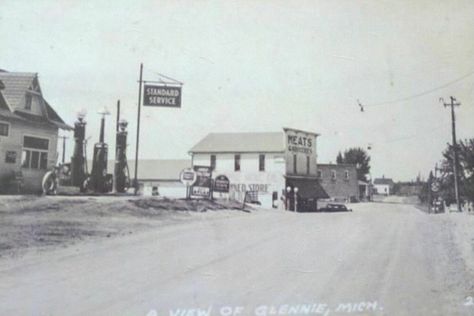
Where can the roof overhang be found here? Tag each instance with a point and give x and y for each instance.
(300, 131)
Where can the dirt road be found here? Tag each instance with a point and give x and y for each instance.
(381, 259)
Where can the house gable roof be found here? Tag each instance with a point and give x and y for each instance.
(16, 85)
(383, 181)
(240, 143)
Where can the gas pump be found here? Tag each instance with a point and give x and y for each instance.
(121, 172)
(78, 160)
(99, 181)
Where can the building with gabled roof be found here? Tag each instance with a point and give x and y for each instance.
(28, 132)
(383, 186)
(273, 142)
(279, 167)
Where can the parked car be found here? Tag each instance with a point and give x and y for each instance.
(335, 207)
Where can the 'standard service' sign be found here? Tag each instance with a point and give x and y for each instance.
(161, 95)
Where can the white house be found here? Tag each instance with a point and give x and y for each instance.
(383, 186)
(28, 133)
(271, 164)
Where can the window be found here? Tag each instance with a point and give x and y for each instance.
(261, 162)
(213, 162)
(35, 153)
(237, 163)
(346, 175)
(4, 129)
(35, 142)
(28, 101)
(44, 160)
(320, 174)
(10, 157)
(307, 164)
(25, 158)
(294, 164)
(333, 174)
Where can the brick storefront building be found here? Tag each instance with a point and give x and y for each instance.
(339, 181)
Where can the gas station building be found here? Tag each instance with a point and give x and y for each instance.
(28, 133)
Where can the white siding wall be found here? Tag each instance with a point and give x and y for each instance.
(249, 177)
(382, 188)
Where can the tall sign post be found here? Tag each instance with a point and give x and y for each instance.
(135, 181)
(155, 93)
(188, 177)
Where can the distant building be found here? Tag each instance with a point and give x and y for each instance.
(273, 164)
(161, 175)
(383, 186)
(340, 181)
(408, 188)
(28, 132)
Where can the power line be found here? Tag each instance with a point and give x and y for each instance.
(417, 95)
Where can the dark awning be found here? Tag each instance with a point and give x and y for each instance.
(308, 188)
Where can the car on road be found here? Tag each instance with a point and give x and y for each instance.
(335, 207)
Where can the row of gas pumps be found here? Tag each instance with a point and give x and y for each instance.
(76, 173)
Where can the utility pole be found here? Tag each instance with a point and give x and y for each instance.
(452, 104)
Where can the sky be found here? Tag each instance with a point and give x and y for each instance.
(257, 66)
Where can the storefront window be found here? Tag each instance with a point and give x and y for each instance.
(44, 160)
(35, 142)
(25, 158)
(261, 162)
(34, 159)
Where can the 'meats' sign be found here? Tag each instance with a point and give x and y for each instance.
(300, 144)
(161, 95)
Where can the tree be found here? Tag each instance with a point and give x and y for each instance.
(339, 158)
(358, 157)
(465, 171)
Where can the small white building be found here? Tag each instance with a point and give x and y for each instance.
(267, 163)
(161, 175)
(383, 186)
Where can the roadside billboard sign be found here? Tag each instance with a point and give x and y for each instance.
(202, 185)
(162, 95)
(221, 184)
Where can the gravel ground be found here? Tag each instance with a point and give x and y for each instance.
(32, 223)
(380, 259)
